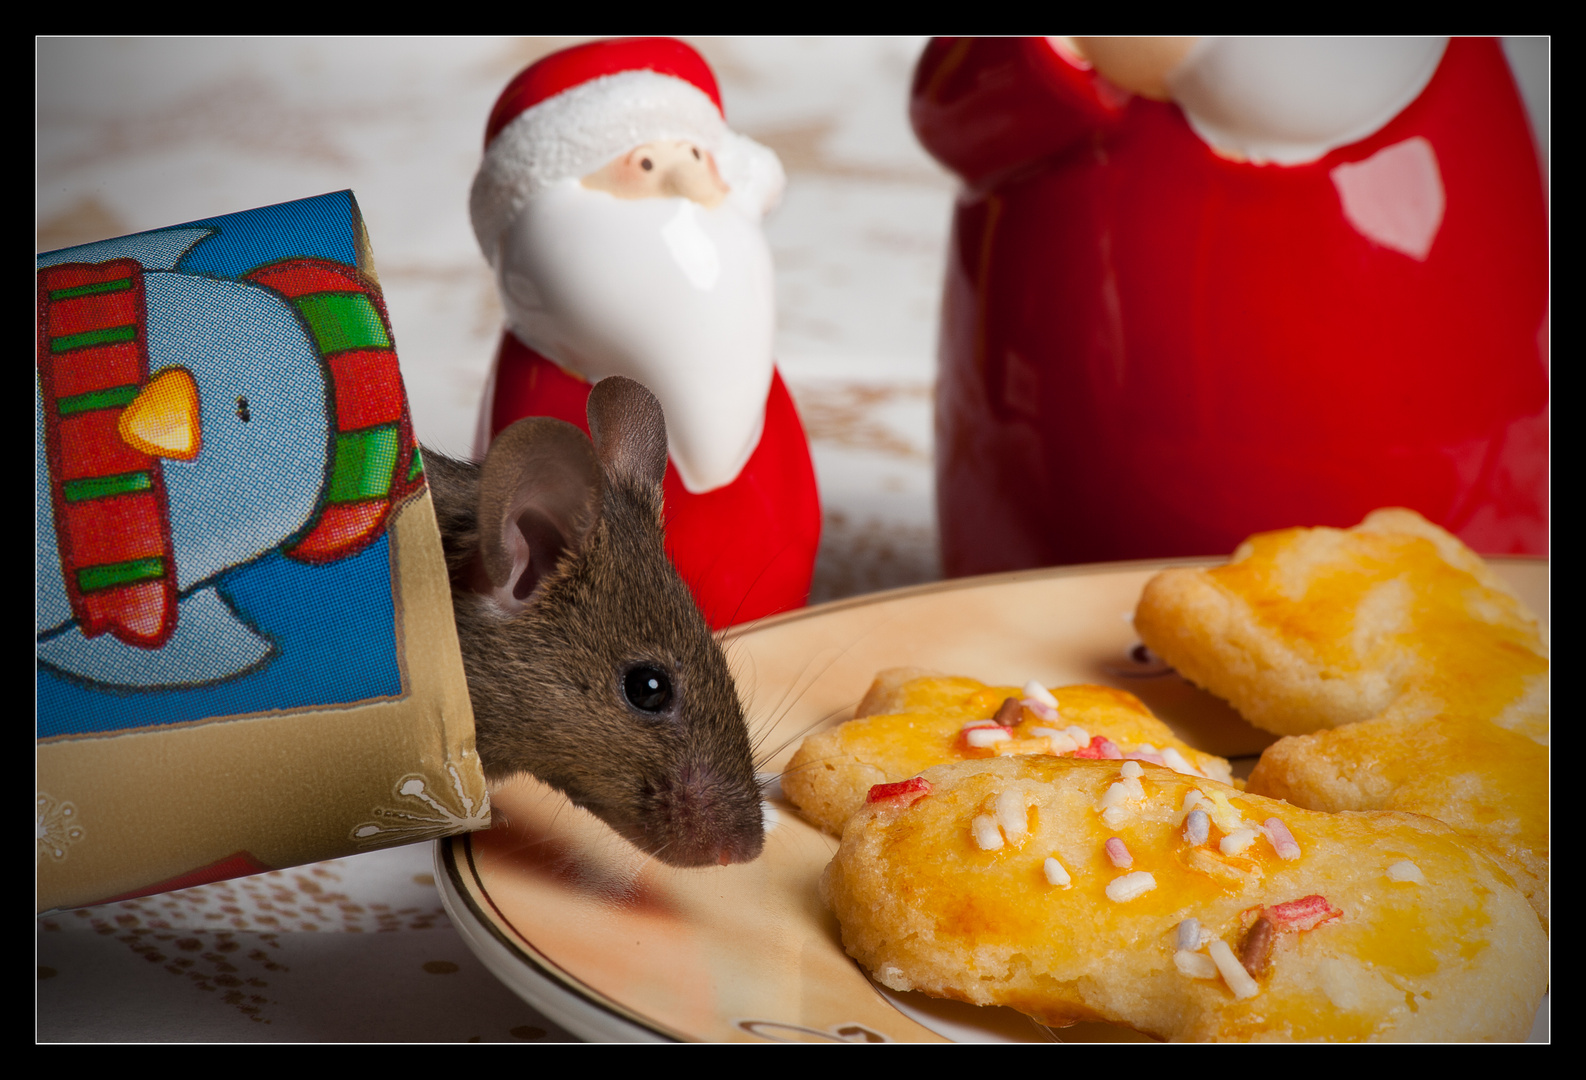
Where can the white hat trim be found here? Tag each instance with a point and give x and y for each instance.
(579, 130)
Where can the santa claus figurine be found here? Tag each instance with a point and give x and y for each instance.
(1200, 288)
(622, 219)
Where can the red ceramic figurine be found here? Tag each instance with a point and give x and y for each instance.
(622, 219)
(1200, 288)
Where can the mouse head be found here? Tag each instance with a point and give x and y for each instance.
(589, 664)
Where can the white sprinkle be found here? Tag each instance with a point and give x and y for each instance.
(1118, 853)
(1112, 801)
(979, 723)
(1236, 841)
(1011, 814)
(1197, 826)
(1145, 748)
(1078, 734)
(1178, 763)
(1036, 692)
(1189, 935)
(986, 736)
(987, 835)
(1405, 870)
(1283, 841)
(1131, 769)
(1223, 813)
(1233, 972)
(1055, 874)
(1192, 799)
(1123, 889)
(1061, 743)
(1195, 965)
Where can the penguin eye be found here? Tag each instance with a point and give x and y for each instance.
(242, 410)
(646, 164)
(648, 689)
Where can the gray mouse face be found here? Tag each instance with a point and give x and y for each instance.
(610, 687)
(589, 666)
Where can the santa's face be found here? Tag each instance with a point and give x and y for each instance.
(625, 273)
(662, 169)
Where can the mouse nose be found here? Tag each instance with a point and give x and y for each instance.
(164, 419)
(700, 820)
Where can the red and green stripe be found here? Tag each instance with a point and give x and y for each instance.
(375, 460)
(109, 499)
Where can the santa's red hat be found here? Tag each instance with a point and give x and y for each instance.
(570, 113)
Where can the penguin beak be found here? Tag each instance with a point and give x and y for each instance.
(163, 420)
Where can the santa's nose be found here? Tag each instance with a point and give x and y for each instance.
(163, 420)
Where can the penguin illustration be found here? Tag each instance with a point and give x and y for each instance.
(185, 426)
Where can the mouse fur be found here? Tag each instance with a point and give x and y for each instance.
(561, 588)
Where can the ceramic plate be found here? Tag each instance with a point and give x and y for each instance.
(613, 945)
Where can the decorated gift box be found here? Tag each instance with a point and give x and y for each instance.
(245, 651)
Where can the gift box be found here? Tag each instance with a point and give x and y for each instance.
(245, 650)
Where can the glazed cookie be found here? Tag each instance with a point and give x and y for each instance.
(911, 720)
(1306, 629)
(1409, 676)
(1184, 908)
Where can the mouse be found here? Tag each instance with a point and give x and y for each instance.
(589, 665)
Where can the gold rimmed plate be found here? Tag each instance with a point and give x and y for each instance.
(617, 946)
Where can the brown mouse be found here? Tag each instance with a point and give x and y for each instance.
(589, 665)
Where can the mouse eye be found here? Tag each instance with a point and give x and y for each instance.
(648, 688)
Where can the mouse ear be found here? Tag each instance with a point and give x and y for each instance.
(629, 430)
(539, 493)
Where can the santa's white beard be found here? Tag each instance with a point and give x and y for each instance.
(664, 291)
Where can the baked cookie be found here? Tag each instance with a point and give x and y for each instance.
(1306, 629)
(1184, 908)
(1409, 676)
(910, 720)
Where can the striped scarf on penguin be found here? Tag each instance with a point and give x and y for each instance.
(109, 421)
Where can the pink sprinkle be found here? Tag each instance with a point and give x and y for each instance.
(1041, 709)
(1155, 759)
(1283, 841)
(1100, 747)
(910, 790)
(1306, 913)
(1118, 854)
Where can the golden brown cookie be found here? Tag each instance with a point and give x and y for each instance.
(910, 720)
(1306, 629)
(1407, 675)
(1184, 908)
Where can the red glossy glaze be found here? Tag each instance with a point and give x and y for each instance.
(747, 549)
(1149, 350)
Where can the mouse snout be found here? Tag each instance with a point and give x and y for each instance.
(704, 819)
